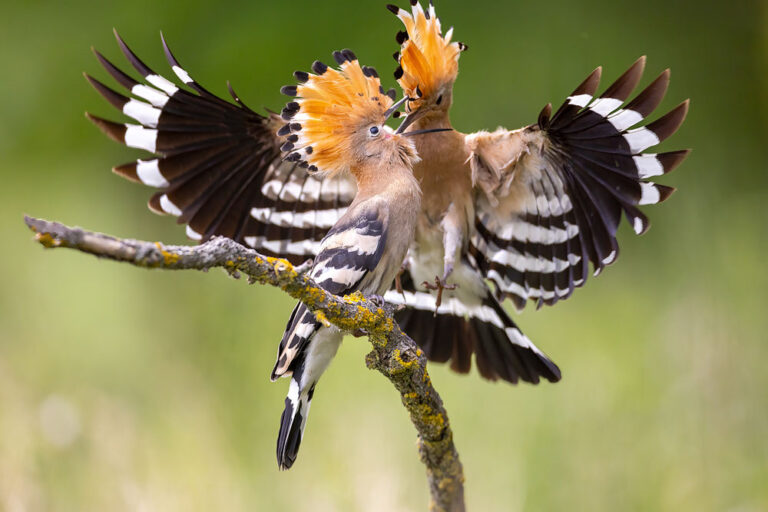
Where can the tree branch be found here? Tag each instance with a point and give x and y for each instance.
(394, 354)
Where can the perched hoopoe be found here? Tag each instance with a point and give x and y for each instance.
(337, 125)
(219, 166)
(526, 209)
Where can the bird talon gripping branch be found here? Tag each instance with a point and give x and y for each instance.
(533, 211)
(527, 210)
(336, 125)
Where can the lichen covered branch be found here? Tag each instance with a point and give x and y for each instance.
(394, 354)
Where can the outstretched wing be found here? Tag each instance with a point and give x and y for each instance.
(219, 166)
(348, 258)
(550, 196)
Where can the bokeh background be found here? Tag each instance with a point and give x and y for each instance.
(125, 389)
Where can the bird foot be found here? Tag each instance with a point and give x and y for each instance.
(377, 300)
(440, 285)
(398, 282)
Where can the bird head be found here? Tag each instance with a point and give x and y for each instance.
(428, 61)
(337, 121)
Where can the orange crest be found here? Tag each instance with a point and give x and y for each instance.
(428, 60)
(331, 105)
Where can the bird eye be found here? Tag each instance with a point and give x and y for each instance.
(440, 99)
(374, 131)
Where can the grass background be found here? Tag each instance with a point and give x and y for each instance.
(122, 389)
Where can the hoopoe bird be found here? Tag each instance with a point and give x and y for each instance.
(218, 165)
(337, 126)
(526, 209)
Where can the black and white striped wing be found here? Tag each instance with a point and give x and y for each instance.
(346, 263)
(470, 320)
(550, 196)
(218, 165)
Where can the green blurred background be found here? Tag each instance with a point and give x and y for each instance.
(125, 389)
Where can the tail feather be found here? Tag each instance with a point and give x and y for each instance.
(311, 360)
(501, 350)
(292, 424)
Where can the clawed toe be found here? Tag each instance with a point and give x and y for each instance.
(378, 300)
(440, 285)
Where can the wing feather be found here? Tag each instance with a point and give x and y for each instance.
(550, 196)
(216, 162)
(346, 261)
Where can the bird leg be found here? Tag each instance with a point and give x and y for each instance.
(452, 239)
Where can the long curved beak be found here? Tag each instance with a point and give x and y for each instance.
(421, 132)
(413, 116)
(394, 108)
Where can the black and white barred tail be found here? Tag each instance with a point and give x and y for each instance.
(458, 330)
(219, 166)
(291, 361)
(592, 167)
(292, 423)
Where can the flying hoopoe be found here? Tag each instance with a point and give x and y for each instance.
(526, 209)
(218, 165)
(337, 125)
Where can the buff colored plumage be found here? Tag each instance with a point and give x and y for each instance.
(527, 209)
(428, 60)
(336, 126)
(333, 104)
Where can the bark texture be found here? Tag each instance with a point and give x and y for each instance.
(393, 353)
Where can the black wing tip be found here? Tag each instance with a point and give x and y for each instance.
(122, 78)
(590, 84)
(127, 171)
(114, 98)
(544, 116)
(664, 192)
(111, 129)
(671, 121)
(168, 53)
(120, 41)
(639, 64)
(393, 9)
(135, 61)
(672, 159)
(623, 86)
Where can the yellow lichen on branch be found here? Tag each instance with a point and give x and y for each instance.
(168, 257)
(393, 353)
(47, 241)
